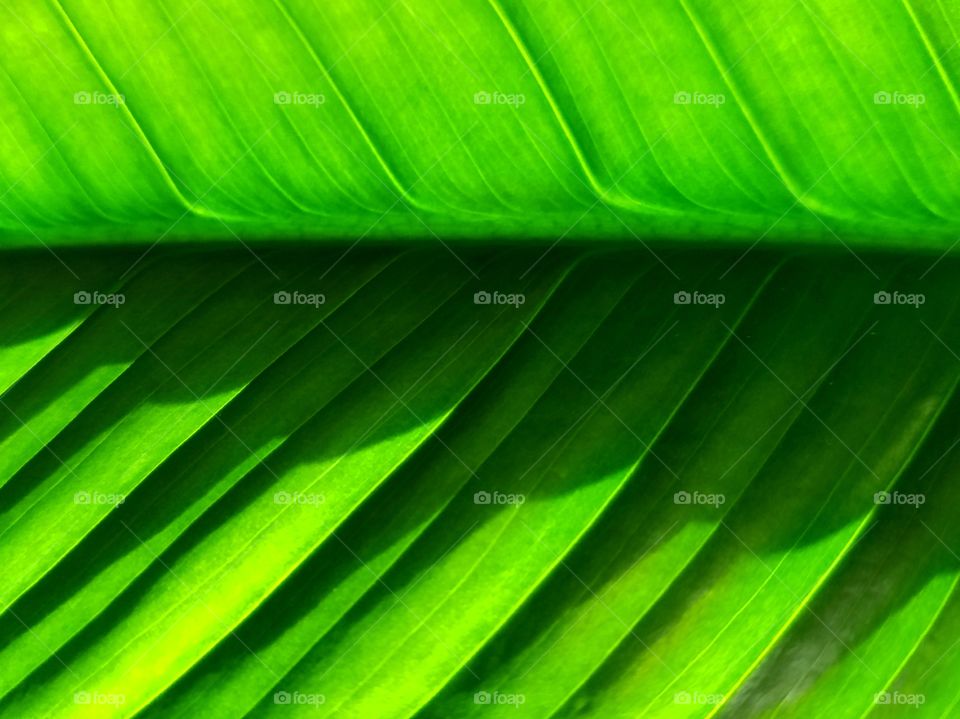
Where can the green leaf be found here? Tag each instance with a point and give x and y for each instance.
(646, 408)
(220, 119)
(400, 500)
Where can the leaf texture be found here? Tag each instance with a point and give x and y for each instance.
(422, 484)
(469, 118)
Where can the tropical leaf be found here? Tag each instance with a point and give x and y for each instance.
(685, 475)
(392, 497)
(474, 117)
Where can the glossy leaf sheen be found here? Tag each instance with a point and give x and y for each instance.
(575, 118)
(387, 585)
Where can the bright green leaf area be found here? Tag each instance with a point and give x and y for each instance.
(705, 470)
(391, 498)
(830, 120)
